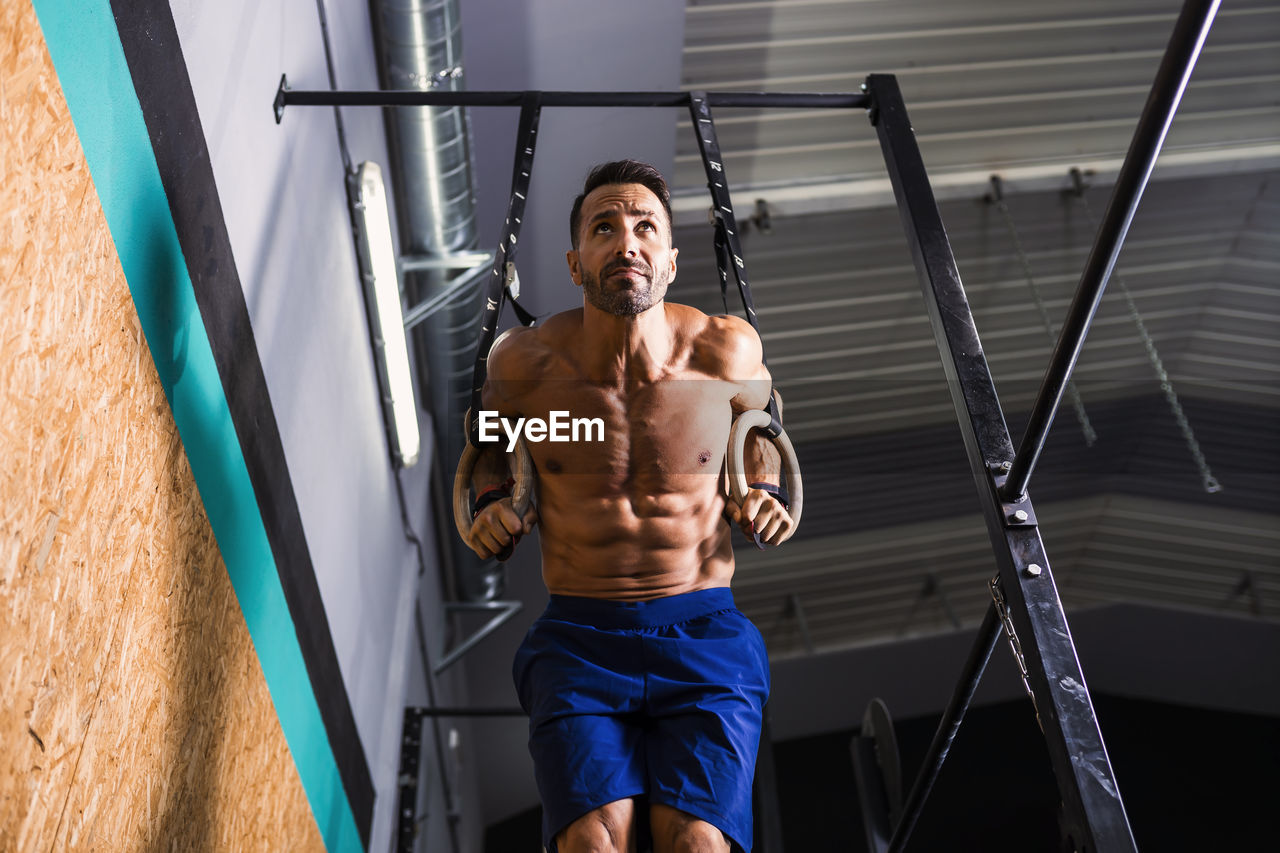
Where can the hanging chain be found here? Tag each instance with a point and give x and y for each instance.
(1210, 482)
(997, 196)
(1002, 609)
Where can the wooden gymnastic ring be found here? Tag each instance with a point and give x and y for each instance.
(521, 494)
(743, 424)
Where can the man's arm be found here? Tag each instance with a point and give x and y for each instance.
(761, 511)
(496, 523)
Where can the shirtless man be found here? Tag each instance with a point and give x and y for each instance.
(641, 679)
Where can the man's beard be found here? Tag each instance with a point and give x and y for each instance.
(626, 302)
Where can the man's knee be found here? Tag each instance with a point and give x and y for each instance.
(675, 831)
(608, 829)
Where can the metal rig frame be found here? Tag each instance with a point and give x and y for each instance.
(1025, 602)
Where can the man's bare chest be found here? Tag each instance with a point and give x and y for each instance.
(652, 430)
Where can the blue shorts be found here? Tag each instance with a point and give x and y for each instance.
(659, 699)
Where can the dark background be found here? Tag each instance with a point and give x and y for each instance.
(1191, 779)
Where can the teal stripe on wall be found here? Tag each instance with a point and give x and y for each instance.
(86, 51)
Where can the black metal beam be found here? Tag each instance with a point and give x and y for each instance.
(983, 645)
(1166, 92)
(1096, 818)
(415, 98)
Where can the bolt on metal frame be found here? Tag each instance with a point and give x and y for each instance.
(1026, 602)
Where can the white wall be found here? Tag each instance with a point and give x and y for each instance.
(281, 188)
(284, 203)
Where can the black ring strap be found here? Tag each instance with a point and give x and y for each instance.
(498, 290)
(728, 247)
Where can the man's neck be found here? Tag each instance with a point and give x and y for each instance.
(635, 347)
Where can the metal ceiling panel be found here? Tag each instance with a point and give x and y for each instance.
(988, 85)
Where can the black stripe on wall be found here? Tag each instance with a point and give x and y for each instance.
(159, 72)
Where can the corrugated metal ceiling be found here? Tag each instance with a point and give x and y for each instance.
(989, 85)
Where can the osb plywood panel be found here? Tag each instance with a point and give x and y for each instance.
(133, 712)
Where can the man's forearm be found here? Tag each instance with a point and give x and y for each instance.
(491, 468)
(761, 460)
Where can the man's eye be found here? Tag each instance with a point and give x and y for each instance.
(603, 227)
(645, 226)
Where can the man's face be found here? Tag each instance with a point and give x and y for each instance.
(624, 260)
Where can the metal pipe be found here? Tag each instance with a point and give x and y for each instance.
(408, 805)
(456, 289)
(456, 261)
(418, 46)
(1166, 92)
(320, 98)
(333, 85)
(505, 610)
(988, 635)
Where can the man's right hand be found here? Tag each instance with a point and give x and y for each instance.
(497, 526)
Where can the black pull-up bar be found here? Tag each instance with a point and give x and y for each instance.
(1166, 92)
(416, 98)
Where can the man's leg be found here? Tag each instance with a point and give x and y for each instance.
(707, 682)
(675, 831)
(587, 750)
(608, 829)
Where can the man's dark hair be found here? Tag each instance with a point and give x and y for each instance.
(620, 172)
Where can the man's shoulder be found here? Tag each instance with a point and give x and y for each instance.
(524, 349)
(722, 344)
(722, 327)
(558, 327)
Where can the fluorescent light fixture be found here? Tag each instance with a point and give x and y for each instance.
(382, 302)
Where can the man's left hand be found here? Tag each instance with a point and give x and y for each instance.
(761, 513)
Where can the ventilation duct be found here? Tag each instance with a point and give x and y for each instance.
(419, 46)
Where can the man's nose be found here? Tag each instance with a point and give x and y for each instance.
(626, 246)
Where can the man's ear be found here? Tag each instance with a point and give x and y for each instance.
(674, 252)
(575, 268)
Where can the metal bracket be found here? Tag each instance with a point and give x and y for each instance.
(1247, 584)
(277, 106)
(1019, 513)
(796, 609)
(930, 587)
(427, 307)
(506, 609)
(450, 261)
(410, 759)
(512, 280)
(873, 109)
